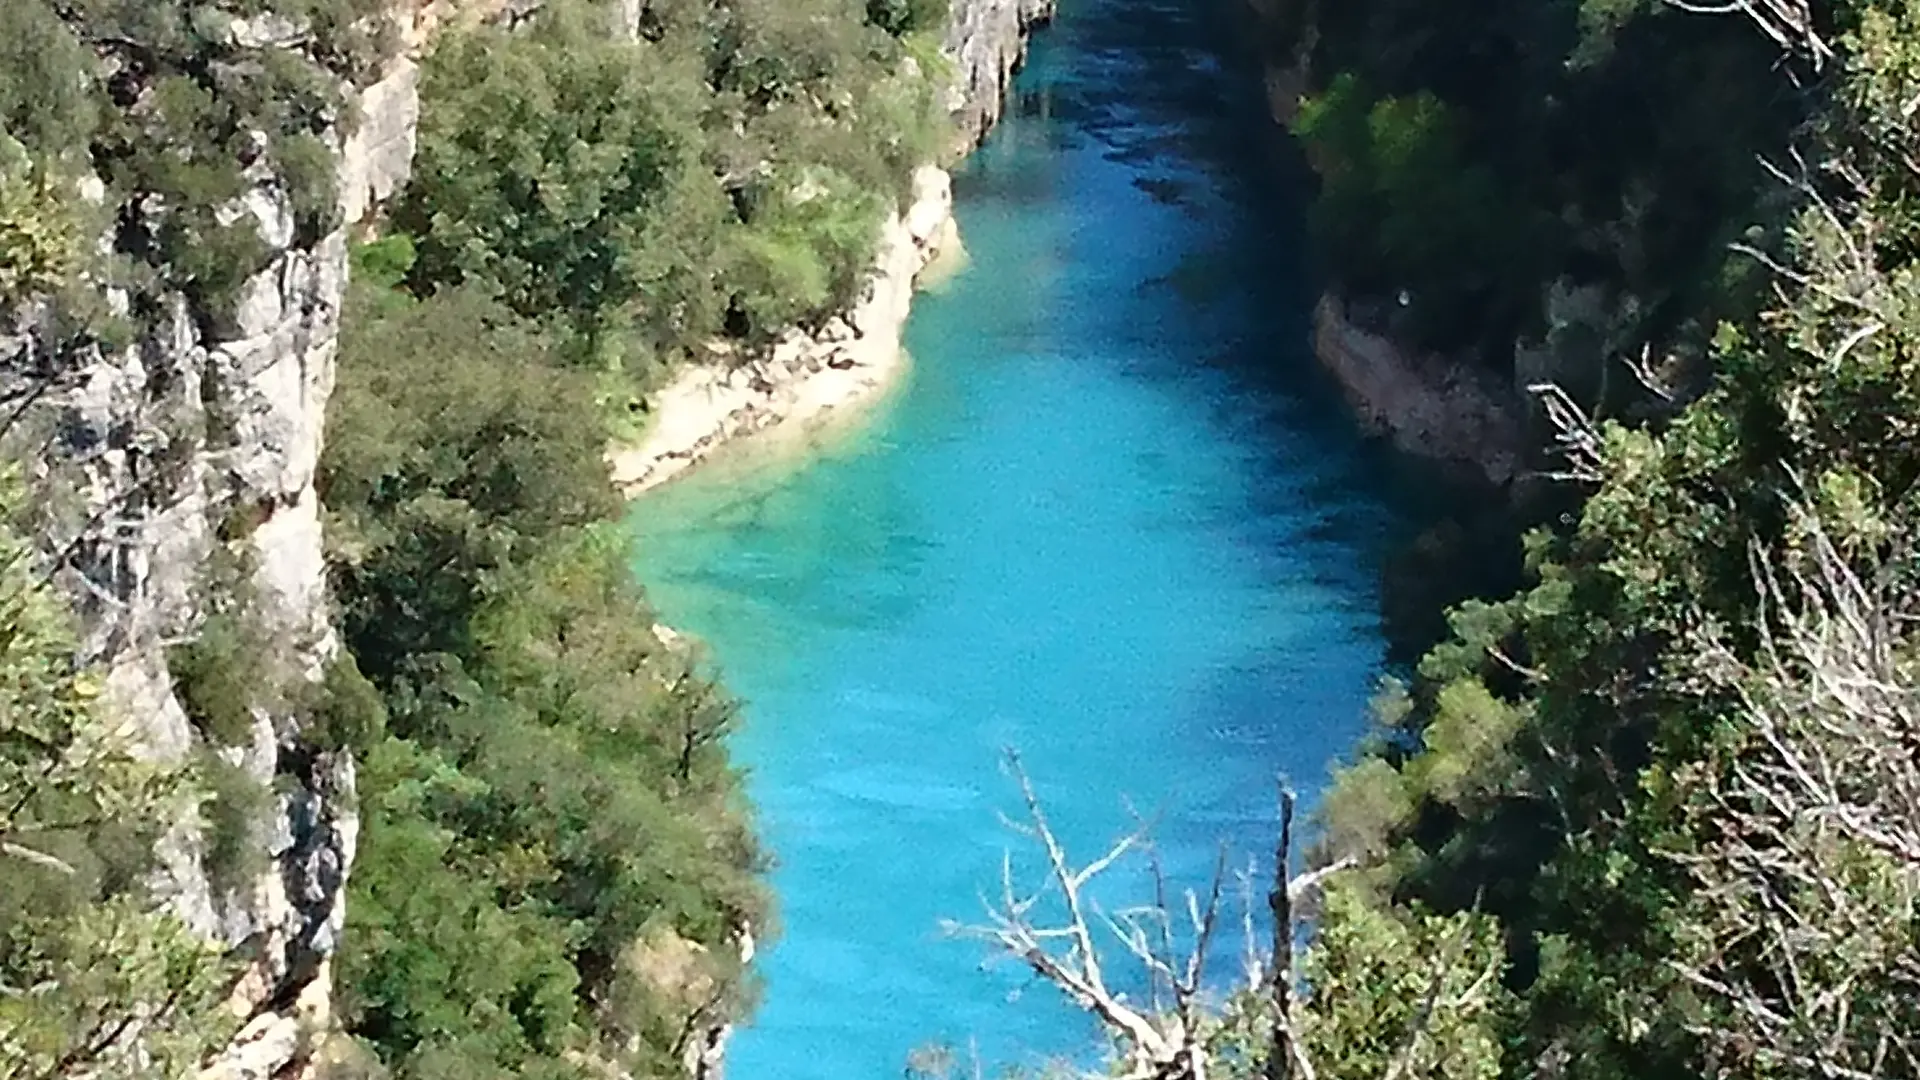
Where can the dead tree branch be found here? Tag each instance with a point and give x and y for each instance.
(1808, 879)
(1788, 22)
(1166, 1041)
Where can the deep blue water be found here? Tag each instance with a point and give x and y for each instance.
(1113, 519)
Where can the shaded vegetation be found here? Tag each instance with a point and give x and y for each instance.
(1665, 793)
(84, 950)
(1553, 183)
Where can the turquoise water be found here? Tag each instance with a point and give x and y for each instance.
(1112, 519)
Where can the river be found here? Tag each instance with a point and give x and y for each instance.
(1114, 519)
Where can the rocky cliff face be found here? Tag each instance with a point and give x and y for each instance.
(987, 40)
(1428, 406)
(194, 446)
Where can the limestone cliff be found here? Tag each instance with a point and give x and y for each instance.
(1428, 406)
(987, 41)
(194, 445)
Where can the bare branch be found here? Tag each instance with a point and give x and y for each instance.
(1788, 22)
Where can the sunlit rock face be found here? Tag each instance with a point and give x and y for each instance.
(987, 40)
(190, 446)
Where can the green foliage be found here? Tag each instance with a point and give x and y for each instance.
(1403, 202)
(383, 264)
(437, 967)
(563, 167)
(351, 714)
(1613, 762)
(1476, 162)
(553, 792)
(803, 255)
(196, 113)
(105, 966)
(1403, 993)
(88, 964)
(220, 677)
(555, 860)
(234, 853)
(902, 17)
(41, 238)
(46, 100)
(573, 174)
(455, 446)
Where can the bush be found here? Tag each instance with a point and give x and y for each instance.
(235, 808)
(218, 679)
(383, 263)
(902, 17)
(351, 715)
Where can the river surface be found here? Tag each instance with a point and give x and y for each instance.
(1114, 519)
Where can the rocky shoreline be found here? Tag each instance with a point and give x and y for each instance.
(1428, 406)
(808, 378)
(805, 377)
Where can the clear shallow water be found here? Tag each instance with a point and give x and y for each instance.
(1111, 519)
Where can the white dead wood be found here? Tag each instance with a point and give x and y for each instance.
(1789, 23)
(1809, 874)
(1166, 1039)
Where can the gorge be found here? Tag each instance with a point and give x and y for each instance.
(353, 726)
(1115, 518)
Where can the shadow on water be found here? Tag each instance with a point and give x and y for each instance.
(1172, 91)
(1117, 517)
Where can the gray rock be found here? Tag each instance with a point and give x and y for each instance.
(987, 40)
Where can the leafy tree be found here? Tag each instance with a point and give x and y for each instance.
(455, 445)
(95, 979)
(553, 794)
(564, 167)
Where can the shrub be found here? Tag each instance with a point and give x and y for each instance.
(350, 714)
(233, 810)
(218, 678)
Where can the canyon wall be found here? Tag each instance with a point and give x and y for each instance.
(177, 463)
(1438, 408)
(1428, 406)
(987, 42)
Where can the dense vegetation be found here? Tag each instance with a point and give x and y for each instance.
(725, 173)
(83, 951)
(1556, 176)
(1679, 769)
(1658, 814)
(556, 871)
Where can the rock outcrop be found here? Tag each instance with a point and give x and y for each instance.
(987, 42)
(194, 445)
(1429, 406)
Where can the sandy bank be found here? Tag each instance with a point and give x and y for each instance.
(804, 378)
